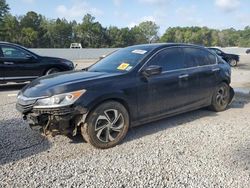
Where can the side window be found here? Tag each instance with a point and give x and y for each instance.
(218, 52)
(197, 57)
(191, 57)
(1, 52)
(212, 58)
(11, 52)
(169, 59)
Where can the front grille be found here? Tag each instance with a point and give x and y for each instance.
(54, 111)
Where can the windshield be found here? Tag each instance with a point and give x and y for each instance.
(122, 60)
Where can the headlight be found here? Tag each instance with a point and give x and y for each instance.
(60, 100)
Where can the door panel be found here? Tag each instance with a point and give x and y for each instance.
(209, 80)
(21, 67)
(209, 76)
(18, 64)
(161, 94)
(164, 93)
(201, 76)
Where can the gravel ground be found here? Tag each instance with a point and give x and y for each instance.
(196, 149)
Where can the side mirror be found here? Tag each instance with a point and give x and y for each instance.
(29, 56)
(152, 70)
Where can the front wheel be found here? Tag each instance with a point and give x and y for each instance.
(106, 125)
(221, 97)
(233, 62)
(52, 71)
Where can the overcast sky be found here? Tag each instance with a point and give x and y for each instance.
(218, 14)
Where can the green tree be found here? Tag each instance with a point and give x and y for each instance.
(91, 33)
(150, 30)
(4, 9)
(31, 20)
(34, 30)
(122, 37)
(139, 37)
(59, 33)
(244, 37)
(28, 37)
(12, 29)
(35, 22)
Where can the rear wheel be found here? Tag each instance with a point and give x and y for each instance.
(233, 62)
(221, 98)
(106, 125)
(52, 71)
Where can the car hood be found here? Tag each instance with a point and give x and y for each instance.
(233, 55)
(62, 83)
(51, 58)
(54, 59)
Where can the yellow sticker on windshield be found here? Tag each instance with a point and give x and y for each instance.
(123, 66)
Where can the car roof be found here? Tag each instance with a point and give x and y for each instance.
(3, 42)
(213, 48)
(18, 46)
(154, 46)
(13, 44)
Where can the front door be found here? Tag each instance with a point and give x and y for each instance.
(164, 93)
(18, 64)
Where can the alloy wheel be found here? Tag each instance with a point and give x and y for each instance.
(233, 62)
(222, 96)
(109, 125)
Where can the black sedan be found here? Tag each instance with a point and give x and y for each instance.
(232, 59)
(131, 86)
(18, 64)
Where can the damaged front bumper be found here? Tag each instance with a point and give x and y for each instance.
(62, 120)
(232, 94)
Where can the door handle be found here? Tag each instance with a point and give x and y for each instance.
(183, 76)
(215, 69)
(8, 63)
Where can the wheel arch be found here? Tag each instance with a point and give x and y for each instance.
(231, 90)
(226, 82)
(52, 67)
(116, 99)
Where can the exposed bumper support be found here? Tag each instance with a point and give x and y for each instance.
(56, 121)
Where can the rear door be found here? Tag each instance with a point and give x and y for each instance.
(210, 74)
(18, 64)
(194, 57)
(206, 72)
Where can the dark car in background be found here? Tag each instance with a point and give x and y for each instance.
(18, 64)
(132, 86)
(248, 51)
(232, 59)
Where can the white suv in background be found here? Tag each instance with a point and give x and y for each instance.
(76, 45)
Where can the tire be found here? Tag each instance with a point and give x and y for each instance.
(221, 98)
(233, 62)
(52, 71)
(106, 125)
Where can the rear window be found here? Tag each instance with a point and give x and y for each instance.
(198, 57)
